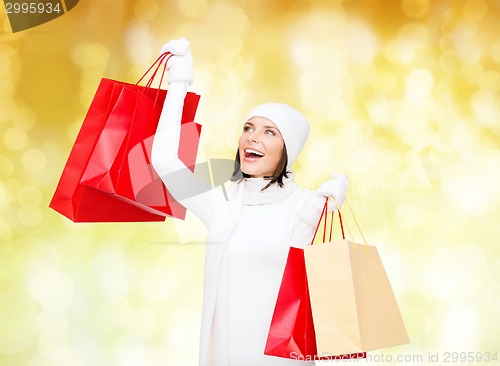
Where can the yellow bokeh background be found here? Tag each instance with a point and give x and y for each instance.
(402, 95)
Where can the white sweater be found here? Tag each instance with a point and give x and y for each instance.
(249, 235)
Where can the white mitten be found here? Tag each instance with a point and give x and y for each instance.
(336, 187)
(180, 65)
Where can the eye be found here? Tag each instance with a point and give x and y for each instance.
(271, 132)
(247, 128)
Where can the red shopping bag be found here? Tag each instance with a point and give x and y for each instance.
(291, 333)
(121, 161)
(85, 204)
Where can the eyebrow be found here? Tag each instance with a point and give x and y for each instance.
(251, 124)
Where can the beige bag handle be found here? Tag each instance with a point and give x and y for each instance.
(324, 213)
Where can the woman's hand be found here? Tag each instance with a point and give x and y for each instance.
(180, 65)
(337, 188)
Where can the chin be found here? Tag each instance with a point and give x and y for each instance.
(251, 172)
(254, 170)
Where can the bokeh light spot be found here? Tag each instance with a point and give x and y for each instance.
(29, 196)
(460, 327)
(51, 319)
(142, 322)
(419, 84)
(475, 9)
(18, 322)
(9, 189)
(410, 39)
(7, 109)
(378, 110)
(139, 43)
(469, 53)
(6, 167)
(34, 160)
(91, 56)
(131, 351)
(157, 284)
(415, 8)
(5, 235)
(485, 107)
(463, 195)
(449, 63)
(5, 64)
(6, 88)
(115, 312)
(24, 118)
(51, 289)
(146, 9)
(192, 9)
(30, 216)
(389, 160)
(471, 74)
(446, 44)
(490, 81)
(55, 347)
(495, 51)
(362, 43)
(15, 138)
(229, 45)
(111, 270)
(384, 82)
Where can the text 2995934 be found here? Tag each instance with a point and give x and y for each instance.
(32, 8)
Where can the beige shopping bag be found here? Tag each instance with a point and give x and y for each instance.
(353, 305)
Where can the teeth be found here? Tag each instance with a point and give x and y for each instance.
(252, 151)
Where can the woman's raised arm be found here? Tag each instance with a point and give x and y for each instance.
(182, 184)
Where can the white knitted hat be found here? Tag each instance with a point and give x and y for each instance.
(293, 126)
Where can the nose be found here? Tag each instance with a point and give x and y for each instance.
(253, 136)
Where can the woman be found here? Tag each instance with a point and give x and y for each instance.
(251, 229)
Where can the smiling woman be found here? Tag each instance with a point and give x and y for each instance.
(262, 151)
(251, 229)
(268, 162)
(260, 147)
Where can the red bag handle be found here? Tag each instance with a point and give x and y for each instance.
(341, 224)
(324, 213)
(163, 58)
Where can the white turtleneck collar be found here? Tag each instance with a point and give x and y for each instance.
(253, 194)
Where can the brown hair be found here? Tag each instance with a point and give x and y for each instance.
(279, 173)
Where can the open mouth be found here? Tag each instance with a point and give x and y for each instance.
(253, 154)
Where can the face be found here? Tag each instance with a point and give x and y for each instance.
(260, 147)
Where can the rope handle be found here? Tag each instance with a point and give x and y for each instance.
(162, 59)
(324, 213)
